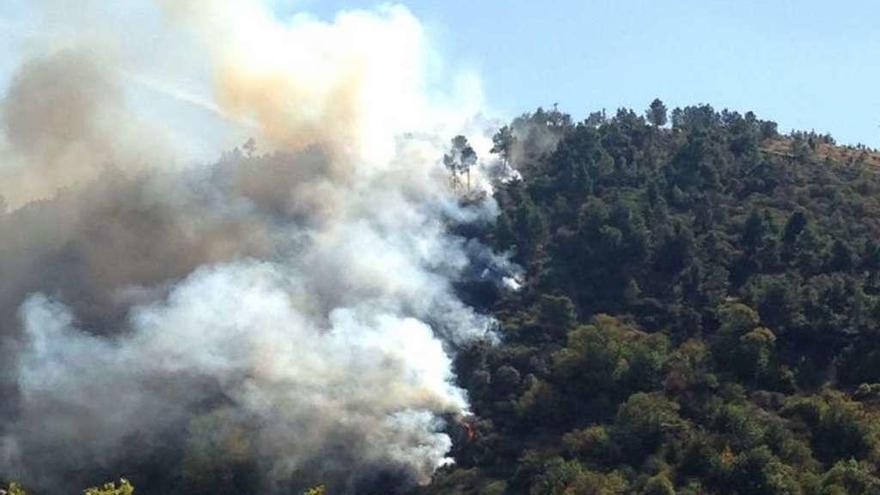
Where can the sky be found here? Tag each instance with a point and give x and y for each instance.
(806, 64)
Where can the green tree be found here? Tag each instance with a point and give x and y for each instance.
(124, 488)
(643, 422)
(842, 257)
(659, 485)
(561, 477)
(755, 232)
(13, 489)
(794, 226)
(610, 357)
(755, 354)
(593, 443)
(841, 428)
(656, 113)
(503, 142)
(852, 478)
(556, 314)
(759, 472)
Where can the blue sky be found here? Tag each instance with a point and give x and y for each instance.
(806, 64)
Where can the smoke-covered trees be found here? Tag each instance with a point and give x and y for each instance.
(699, 315)
(13, 488)
(503, 142)
(459, 160)
(123, 488)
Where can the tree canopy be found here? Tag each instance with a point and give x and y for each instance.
(699, 313)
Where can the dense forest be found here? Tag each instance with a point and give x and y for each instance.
(700, 312)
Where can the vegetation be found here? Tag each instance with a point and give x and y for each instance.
(124, 488)
(459, 160)
(699, 315)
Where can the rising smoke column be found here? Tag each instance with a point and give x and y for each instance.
(290, 311)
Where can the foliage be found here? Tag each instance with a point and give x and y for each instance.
(13, 489)
(459, 160)
(124, 488)
(699, 314)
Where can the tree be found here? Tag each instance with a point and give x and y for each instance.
(611, 357)
(502, 143)
(735, 296)
(755, 353)
(841, 256)
(561, 477)
(459, 160)
(841, 428)
(556, 314)
(13, 489)
(768, 129)
(643, 422)
(592, 443)
(676, 249)
(794, 226)
(656, 113)
(754, 232)
(850, 477)
(124, 488)
(759, 472)
(595, 119)
(659, 485)
(250, 147)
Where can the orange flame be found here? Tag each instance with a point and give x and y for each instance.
(469, 428)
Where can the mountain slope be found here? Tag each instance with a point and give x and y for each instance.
(700, 312)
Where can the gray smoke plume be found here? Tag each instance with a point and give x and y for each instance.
(288, 314)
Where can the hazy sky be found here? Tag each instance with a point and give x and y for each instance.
(807, 64)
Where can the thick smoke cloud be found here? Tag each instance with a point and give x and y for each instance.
(346, 85)
(63, 122)
(291, 311)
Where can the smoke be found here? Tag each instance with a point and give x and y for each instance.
(347, 85)
(288, 315)
(63, 123)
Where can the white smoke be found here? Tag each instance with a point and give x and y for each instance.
(299, 303)
(364, 373)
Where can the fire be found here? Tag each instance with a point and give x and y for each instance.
(470, 428)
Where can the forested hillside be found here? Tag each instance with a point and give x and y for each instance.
(700, 312)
